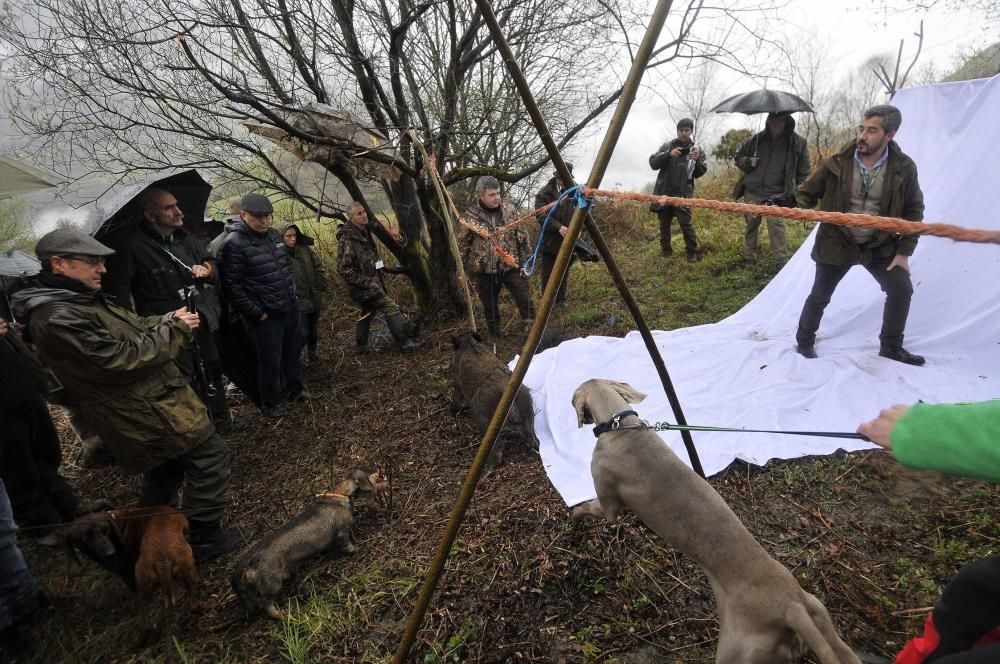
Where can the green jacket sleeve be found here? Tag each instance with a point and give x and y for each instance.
(961, 439)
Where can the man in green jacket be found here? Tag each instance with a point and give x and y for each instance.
(869, 176)
(959, 439)
(310, 284)
(774, 162)
(120, 369)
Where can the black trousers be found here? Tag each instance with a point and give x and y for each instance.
(204, 472)
(549, 262)
(309, 329)
(683, 214)
(31, 456)
(969, 610)
(488, 287)
(895, 284)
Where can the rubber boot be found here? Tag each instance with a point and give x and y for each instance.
(397, 326)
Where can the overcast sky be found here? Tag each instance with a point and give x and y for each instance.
(855, 31)
(852, 31)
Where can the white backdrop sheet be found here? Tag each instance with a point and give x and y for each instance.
(744, 372)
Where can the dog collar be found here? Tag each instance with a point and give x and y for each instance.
(614, 423)
(333, 494)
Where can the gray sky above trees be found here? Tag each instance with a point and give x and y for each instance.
(849, 32)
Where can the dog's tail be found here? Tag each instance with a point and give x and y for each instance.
(813, 625)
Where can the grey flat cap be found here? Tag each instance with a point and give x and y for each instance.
(69, 241)
(256, 204)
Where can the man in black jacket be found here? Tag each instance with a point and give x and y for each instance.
(258, 282)
(555, 229)
(679, 162)
(158, 267)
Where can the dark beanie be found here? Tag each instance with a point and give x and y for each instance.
(685, 122)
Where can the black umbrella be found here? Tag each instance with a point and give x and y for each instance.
(763, 101)
(119, 208)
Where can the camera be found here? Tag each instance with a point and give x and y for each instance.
(684, 151)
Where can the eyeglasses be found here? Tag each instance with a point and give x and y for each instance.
(92, 261)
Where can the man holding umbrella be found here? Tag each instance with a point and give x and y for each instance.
(774, 162)
(159, 267)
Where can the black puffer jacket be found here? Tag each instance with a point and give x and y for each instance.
(256, 272)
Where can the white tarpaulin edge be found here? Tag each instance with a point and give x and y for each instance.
(743, 371)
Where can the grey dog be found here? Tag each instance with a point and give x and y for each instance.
(324, 525)
(764, 615)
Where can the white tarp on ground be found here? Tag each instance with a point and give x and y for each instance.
(744, 372)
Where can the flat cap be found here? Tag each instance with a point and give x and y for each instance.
(69, 241)
(256, 204)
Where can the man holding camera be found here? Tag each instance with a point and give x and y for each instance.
(774, 162)
(679, 162)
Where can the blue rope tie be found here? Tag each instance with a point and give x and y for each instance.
(576, 193)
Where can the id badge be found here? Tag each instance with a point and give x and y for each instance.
(379, 264)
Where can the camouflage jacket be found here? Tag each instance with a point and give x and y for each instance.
(356, 258)
(478, 254)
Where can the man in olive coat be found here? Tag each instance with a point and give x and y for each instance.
(120, 369)
(869, 176)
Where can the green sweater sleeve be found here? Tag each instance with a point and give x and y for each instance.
(961, 439)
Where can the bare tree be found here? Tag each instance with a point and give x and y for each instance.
(152, 84)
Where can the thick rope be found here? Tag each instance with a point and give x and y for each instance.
(890, 224)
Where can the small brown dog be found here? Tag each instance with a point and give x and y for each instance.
(148, 548)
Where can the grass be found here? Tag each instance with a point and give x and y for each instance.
(523, 582)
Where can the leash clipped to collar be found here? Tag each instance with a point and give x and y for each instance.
(615, 423)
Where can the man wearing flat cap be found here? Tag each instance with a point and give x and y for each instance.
(120, 369)
(774, 163)
(258, 281)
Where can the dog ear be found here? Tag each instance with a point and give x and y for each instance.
(627, 392)
(582, 412)
(476, 336)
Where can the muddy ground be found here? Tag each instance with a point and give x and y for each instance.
(874, 541)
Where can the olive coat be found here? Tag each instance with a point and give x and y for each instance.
(119, 368)
(830, 186)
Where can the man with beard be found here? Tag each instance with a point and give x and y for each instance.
(494, 261)
(679, 162)
(869, 176)
(156, 267)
